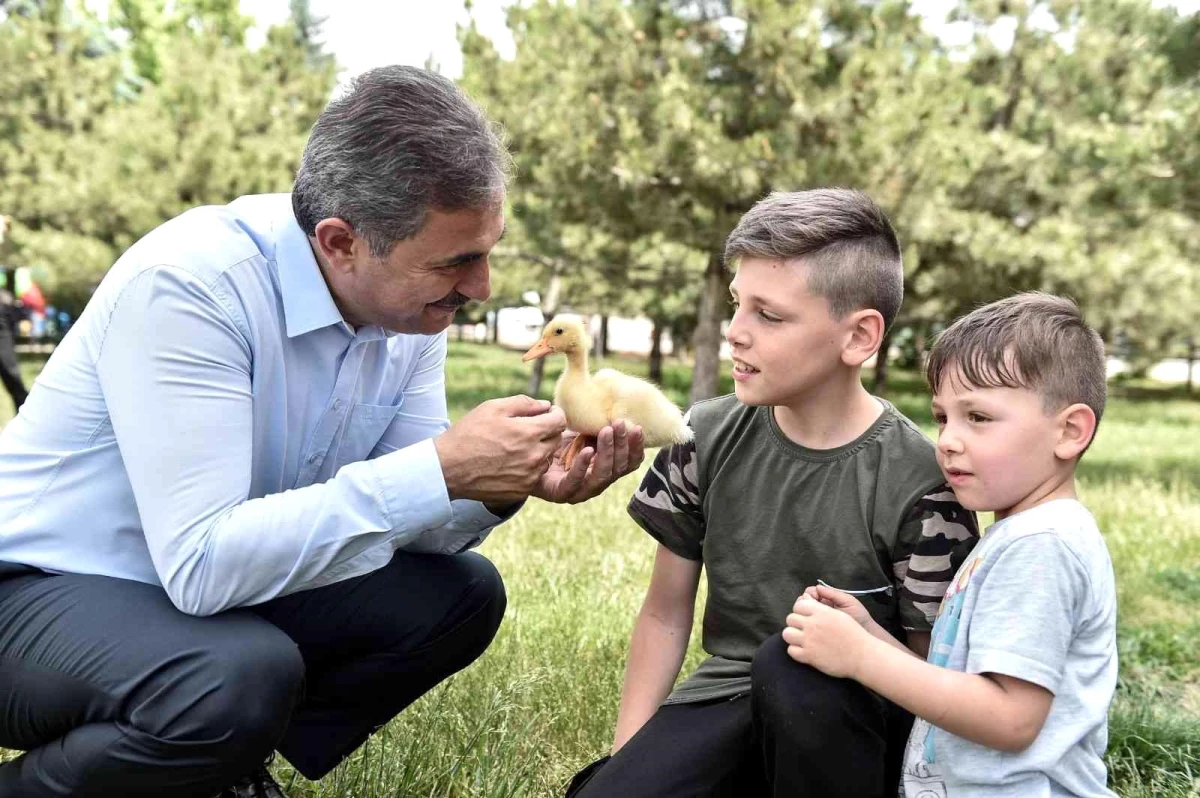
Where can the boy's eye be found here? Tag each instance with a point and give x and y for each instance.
(939, 419)
(977, 418)
(768, 317)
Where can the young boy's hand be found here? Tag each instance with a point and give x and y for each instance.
(831, 641)
(832, 597)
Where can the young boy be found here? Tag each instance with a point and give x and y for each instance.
(1014, 699)
(801, 476)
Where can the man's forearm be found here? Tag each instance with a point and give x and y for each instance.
(972, 706)
(656, 653)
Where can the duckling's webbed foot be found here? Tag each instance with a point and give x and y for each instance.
(576, 447)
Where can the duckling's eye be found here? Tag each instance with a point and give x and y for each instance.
(558, 331)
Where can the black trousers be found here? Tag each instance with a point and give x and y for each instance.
(10, 370)
(798, 733)
(110, 690)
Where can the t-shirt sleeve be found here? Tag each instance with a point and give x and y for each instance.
(1026, 610)
(935, 537)
(667, 503)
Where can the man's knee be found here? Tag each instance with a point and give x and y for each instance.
(483, 604)
(236, 701)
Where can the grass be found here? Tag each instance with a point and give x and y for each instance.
(542, 701)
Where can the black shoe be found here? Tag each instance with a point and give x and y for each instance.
(258, 784)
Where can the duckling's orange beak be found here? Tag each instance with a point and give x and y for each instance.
(540, 349)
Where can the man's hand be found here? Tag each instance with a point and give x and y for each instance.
(827, 639)
(498, 452)
(618, 452)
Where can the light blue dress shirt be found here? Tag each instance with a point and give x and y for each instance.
(211, 424)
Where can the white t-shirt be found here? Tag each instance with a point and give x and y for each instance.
(1035, 600)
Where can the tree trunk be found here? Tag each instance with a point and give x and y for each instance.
(879, 385)
(1192, 353)
(656, 352)
(602, 338)
(706, 340)
(549, 306)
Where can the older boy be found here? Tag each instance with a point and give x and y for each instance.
(1014, 699)
(801, 476)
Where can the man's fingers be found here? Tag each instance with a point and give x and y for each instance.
(637, 450)
(620, 448)
(548, 426)
(602, 470)
(521, 405)
(574, 480)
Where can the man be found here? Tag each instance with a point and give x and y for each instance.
(233, 517)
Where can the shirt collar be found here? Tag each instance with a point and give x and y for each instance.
(307, 303)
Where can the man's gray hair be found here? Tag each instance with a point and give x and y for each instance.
(399, 142)
(842, 236)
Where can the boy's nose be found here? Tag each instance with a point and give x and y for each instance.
(948, 442)
(735, 334)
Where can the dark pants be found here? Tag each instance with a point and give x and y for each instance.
(10, 371)
(112, 691)
(798, 733)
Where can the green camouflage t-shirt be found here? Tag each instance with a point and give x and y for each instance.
(768, 517)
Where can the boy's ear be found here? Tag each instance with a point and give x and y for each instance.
(1076, 427)
(864, 334)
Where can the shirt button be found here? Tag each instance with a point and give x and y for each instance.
(312, 458)
(337, 403)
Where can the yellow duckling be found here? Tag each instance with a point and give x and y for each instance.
(592, 402)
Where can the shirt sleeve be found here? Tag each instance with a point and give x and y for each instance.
(175, 370)
(935, 537)
(423, 416)
(667, 503)
(1026, 609)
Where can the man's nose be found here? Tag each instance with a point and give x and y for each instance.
(477, 284)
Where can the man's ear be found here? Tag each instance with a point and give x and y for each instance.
(337, 243)
(864, 330)
(1076, 427)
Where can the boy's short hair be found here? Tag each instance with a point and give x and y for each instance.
(1033, 340)
(845, 239)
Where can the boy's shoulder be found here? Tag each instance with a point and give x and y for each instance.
(708, 412)
(1067, 522)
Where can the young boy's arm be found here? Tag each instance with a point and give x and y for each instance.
(998, 711)
(1018, 636)
(659, 642)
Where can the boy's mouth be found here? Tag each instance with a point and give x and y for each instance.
(957, 476)
(742, 367)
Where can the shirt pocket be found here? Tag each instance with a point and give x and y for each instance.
(365, 428)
